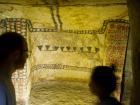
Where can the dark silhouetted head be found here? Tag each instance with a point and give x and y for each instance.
(103, 81)
(13, 48)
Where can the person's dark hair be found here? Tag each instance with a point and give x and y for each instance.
(9, 42)
(104, 78)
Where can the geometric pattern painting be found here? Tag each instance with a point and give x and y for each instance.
(115, 48)
(66, 39)
(115, 34)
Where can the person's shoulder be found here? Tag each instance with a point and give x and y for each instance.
(110, 101)
(2, 86)
(115, 101)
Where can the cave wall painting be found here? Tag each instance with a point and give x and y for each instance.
(66, 46)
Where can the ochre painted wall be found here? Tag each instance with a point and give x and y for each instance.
(65, 42)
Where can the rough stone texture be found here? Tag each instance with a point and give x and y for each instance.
(61, 93)
(134, 15)
(80, 18)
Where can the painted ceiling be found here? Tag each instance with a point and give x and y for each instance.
(63, 2)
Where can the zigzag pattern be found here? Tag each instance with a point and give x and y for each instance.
(68, 48)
